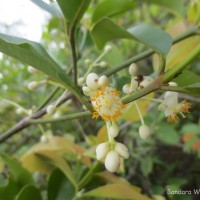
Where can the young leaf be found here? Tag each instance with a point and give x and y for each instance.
(73, 10)
(20, 174)
(29, 192)
(59, 187)
(106, 30)
(111, 7)
(117, 191)
(54, 159)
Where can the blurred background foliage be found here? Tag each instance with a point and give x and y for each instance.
(170, 158)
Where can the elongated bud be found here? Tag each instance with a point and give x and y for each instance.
(112, 161)
(122, 150)
(127, 88)
(108, 48)
(81, 81)
(103, 81)
(32, 85)
(51, 109)
(133, 69)
(32, 70)
(146, 81)
(44, 139)
(144, 131)
(102, 150)
(103, 64)
(86, 91)
(114, 131)
(92, 81)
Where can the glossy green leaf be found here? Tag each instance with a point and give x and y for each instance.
(29, 192)
(20, 174)
(111, 7)
(177, 6)
(59, 187)
(73, 10)
(56, 160)
(106, 30)
(33, 54)
(47, 7)
(117, 191)
(9, 191)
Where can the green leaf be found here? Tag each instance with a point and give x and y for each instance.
(117, 191)
(20, 174)
(47, 7)
(177, 6)
(59, 187)
(33, 54)
(146, 165)
(111, 7)
(9, 191)
(54, 159)
(73, 10)
(167, 134)
(29, 192)
(193, 89)
(106, 30)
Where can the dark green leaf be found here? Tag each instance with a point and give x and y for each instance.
(73, 10)
(177, 6)
(106, 30)
(59, 187)
(111, 7)
(20, 174)
(47, 7)
(9, 191)
(29, 192)
(146, 165)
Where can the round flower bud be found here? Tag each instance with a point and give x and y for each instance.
(32, 85)
(133, 69)
(51, 109)
(127, 88)
(173, 84)
(92, 81)
(44, 139)
(103, 64)
(107, 48)
(81, 81)
(146, 81)
(19, 111)
(112, 161)
(32, 70)
(144, 131)
(103, 81)
(102, 150)
(88, 61)
(114, 131)
(86, 91)
(122, 150)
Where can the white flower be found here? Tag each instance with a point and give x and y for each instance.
(144, 131)
(102, 150)
(86, 91)
(92, 81)
(112, 161)
(122, 150)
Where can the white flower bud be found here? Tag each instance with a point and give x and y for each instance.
(19, 111)
(88, 61)
(108, 48)
(51, 109)
(92, 81)
(172, 84)
(127, 88)
(122, 150)
(113, 131)
(103, 64)
(44, 139)
(103, 81)
(144, 131)
(32, 70)
(81, 81)
(32, 85)
(86, 91)
(102, 150)
(133, 69)
(146, 81)
(112, 161)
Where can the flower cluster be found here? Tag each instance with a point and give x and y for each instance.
(172, 107)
